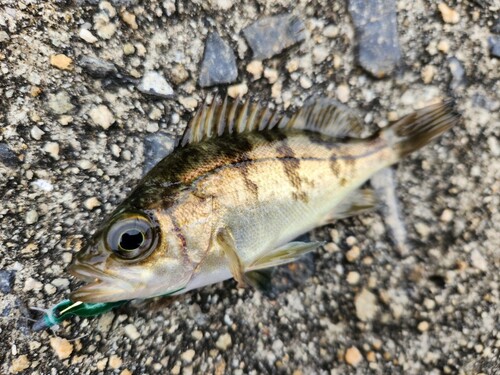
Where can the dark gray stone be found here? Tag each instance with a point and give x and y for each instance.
(457, 72)
(494, 44)
(97, 68)
(496, 27)
(377, 35)
(270, 35)
(219, 63)
(156, 147)
(7, 157)
(6, 281)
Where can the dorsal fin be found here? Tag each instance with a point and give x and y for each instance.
(227, 116)
(327, 116)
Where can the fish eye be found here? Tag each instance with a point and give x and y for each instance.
(130, 237)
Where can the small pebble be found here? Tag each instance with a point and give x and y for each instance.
(131, 332)
(128, 49)
(179, 74)
(428, 73)
(87, 36)
(353, 254)
(449, 15)
(188, 356)
(197, 335)
(343, 93)
(108, 8)
(102, 116)
(52, 148)
(494, 45)
(224, 341)
(305, 82)
(62, 62)
(62, 347)
(238, 90)
(353, 356)
(91, 203)
(292, 65)
(126, 372)
(423, 326)
(478, 260)
(331, 31)
(101, 365)
(366, 306)
(255, 68)
(60, 103)
(129, 19)
(105, 29)
(6, 280)
(36, 133)
(152, 127)
(371, 356)
(320, 53)
(271, 75)
(4, 36)
(221, 4)
(188, 102)
(353, 277)
(20, 364)
(96, 67)
(115, 362)
(49, 289)
(35, 91)
(443, 46)
(447, 215)
(153, 83)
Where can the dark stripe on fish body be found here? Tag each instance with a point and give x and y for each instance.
(251, 186)
(291, 164)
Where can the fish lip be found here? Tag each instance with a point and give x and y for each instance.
(100, 292)
(89, 273)
(97, 281)
(100, 286)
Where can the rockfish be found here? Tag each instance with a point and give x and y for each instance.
(240, 186)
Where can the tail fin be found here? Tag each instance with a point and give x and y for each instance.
(419, 128)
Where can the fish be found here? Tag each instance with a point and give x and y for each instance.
(242, 183)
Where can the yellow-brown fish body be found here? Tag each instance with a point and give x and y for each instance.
(243, 185)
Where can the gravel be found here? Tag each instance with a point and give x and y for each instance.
(219, 63)
(269, 36)
(377, 35)
(358, 305)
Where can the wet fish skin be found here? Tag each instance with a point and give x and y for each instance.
(241, 185)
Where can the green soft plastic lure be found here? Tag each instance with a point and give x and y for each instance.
(67, 309)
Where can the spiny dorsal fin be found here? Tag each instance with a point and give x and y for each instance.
(232, 116)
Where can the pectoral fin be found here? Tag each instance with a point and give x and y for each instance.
(283, 255)
(226, 240)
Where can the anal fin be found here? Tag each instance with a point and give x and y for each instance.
(358, 202)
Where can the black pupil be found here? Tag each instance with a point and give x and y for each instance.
(131, 239)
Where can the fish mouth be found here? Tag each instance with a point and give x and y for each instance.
(100, 286)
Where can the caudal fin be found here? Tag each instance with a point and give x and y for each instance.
(419, 128)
